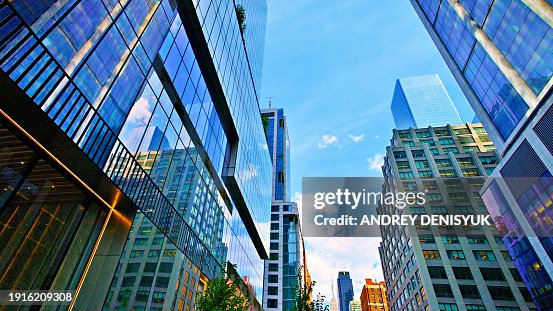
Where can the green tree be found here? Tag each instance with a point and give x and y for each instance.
(265, 121)
(241, 15)
(222, 294)
(303, 293)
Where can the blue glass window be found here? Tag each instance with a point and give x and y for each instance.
(430, 8)
(455, 35)
(524, 39)
(498, 97)
(478, 9)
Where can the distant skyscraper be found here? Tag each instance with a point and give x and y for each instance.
(500, 54)
(334, 304)
(333, 301)
(422, 101)
(345, 290)
(148, 138)
(287, 253)
(374, 296)
(278, 142)
(445, 267)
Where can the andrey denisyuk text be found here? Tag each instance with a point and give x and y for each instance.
(404, 220)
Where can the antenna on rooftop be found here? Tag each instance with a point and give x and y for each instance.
(270, 98)
(332, 286)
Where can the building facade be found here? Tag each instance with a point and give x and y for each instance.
(119, 107)
(167, 280)
(333, 300)
(355, 305)
(374, 296)
(286, 251)
(278, 143)
(345, 290)
(422, 101)
(333, 304)
(500, 54)
(445, 267)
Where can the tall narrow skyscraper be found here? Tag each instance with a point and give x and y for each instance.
(333, 301)
(287, 253)
(431, 267)
(422, 101)
(115, 108)
(500, 54)
(345, 290)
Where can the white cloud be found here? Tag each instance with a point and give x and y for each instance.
(376, 136)
(297, 198)
(248, 173)
(327, 256)
(327, 140)
(376, 162)
(141, 111)
(356, 139)
(264, 146)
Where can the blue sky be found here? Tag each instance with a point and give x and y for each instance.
(332, 66)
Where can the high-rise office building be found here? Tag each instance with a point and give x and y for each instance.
(374, 296)
(422, 101)
(345, 290)
(278, 143)
(500, 54)
(286, 252)
(114, 107)
(445, 267)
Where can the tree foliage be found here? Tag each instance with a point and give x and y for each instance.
(303, 293)
(241, 15)
(222, 294)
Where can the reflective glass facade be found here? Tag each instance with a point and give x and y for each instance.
(345, 290)
(286, 253)
(278, 143)
(161, 97)
(531, 266)
(254, 36)
(521, 201)
(40, 213)
(499, 51)
(152, 273)
(422, 101)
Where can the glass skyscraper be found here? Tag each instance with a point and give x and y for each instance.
(422, 101)
(286, 252)
(445, 268)
(500, 54)
(278, 143)
(110, 108)
(345, 290)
